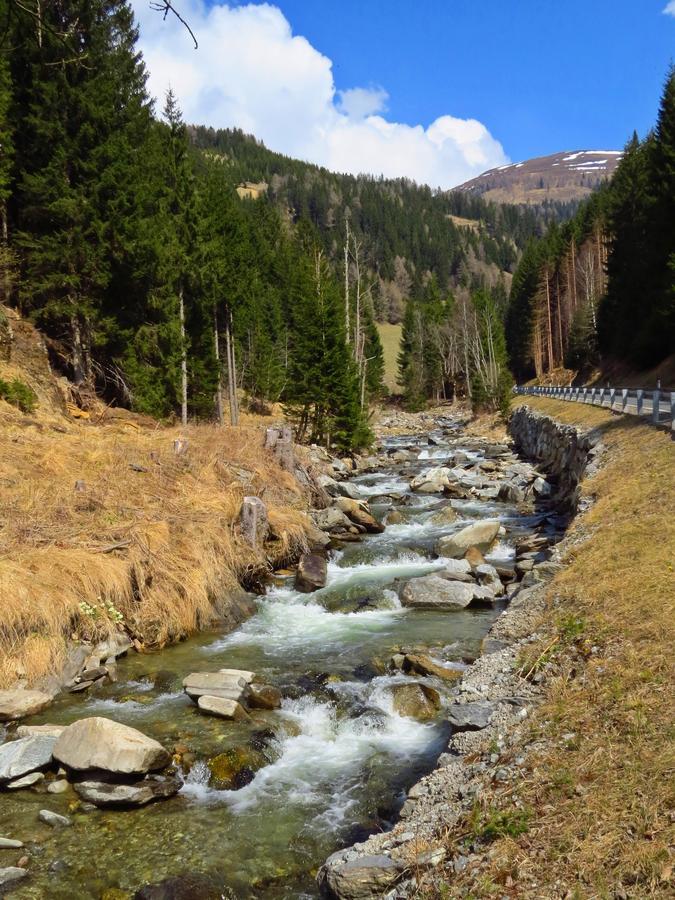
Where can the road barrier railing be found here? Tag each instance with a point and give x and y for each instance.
(655, 405)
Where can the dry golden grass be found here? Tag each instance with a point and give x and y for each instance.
(151, 541)
(602, 800)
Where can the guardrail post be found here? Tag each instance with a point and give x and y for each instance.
(583, 399)
(639, 397)
(592, 396)
(624, 399)
(672, 414)
(611, 398)
(656, 406)
(602, 396)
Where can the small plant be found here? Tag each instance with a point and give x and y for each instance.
(571, 628)
(490, 824)
(104, 608)
(18, 394)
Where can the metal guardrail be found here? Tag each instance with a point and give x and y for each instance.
(657, 406)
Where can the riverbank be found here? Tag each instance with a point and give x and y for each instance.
(565, 793)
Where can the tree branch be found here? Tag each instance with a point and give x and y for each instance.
(165, 7)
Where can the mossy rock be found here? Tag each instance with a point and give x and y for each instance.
(234, 768)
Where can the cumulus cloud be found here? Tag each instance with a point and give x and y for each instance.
(670, 9)
(252, 72)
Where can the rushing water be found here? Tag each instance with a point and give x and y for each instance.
(334, 762)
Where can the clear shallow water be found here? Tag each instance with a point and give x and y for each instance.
(334, 762)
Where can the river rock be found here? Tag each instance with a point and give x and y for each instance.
(100, 743)
(542, 488)
(234, 768)
(19, 758)
(311, 574)
(9, 875)
(192, 886)
(230, 684)
(317, 540)
(474, 557)
(223, 707)
(471, 716)
(417, 701)
(359, 879)
(25, 782)
(347, 489)
(421, 664)
(329, 484)
(359, 513)
(394, 517)
(445, 516)
(431, 481)
(30, 730)
(480, 535)
(488, 576)
(21, 703)
(510, 493)
(264, 696)
(331, 519)
(434, 592)
(53, 819)
(140, 793)
(10, 844)
(60, 786)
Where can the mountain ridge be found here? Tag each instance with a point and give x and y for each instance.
(569, 175)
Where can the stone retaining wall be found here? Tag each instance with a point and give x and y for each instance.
(561, 450)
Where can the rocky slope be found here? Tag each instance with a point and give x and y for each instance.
(563, 177)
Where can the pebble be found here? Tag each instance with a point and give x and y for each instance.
(53, 819)
(58, 787)
(10, 844)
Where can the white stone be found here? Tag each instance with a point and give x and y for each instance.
(100, 743)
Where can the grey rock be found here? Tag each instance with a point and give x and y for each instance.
(230, 685)
(264, 696)
(331, 519)
(10, 875)
(25, 782)
(223, 707)
(100, 743)
(363, 878)
(140, 793)
(10, 844)
(255, 526)
(29, 730)
(311, 574)
(431, 481)
(18, 704)
(471, 716)
(542, 488)
(480, 535)
(510, 493)
(435, 592)
(18, 758)
(60, 786)
(53, 819)
(347, 489)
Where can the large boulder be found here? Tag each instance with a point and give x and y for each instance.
(488, 576)
(28, 754)
(416, 701)
(359, 513)
(100, 743)
(510, 493)
(445, 516)
(140, 793)
(264, 696)
(311, 574)
(358, 879)
(9, 875)
(230, 684)
(480, 534)
(20, 703)
(434, 592)
(431, 481)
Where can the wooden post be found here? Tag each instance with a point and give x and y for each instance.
(656, 406)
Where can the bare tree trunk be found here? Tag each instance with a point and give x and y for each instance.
(231, 370)
(78, 362)
(183, 359)
(347, 324)
(38, 19)
(219, 386)
(549, 330)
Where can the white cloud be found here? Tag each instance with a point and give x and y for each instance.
(252, 73)
(670, 9)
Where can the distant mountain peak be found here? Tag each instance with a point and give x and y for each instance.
(565, 176)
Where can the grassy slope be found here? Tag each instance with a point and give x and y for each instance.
(601, 792)
(152, 538)
(390, 335)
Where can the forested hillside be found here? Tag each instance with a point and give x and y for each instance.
(603, 285)
(404, 232)
(152, 280)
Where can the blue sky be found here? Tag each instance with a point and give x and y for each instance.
(436, 90)
(543, 76)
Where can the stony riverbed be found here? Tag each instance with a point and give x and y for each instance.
(262, 802)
